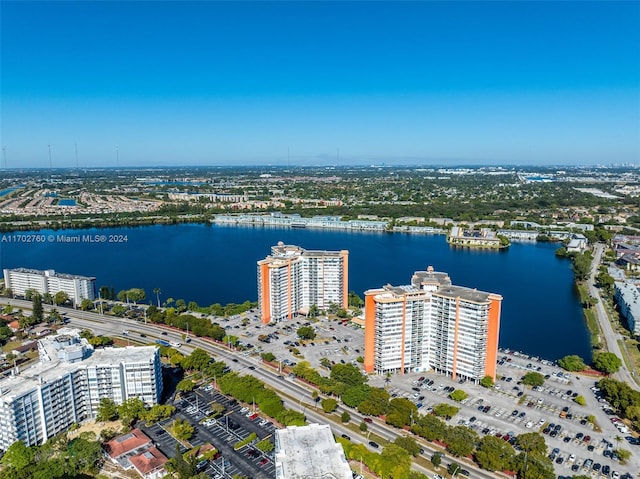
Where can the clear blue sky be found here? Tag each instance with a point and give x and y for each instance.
(397, 82)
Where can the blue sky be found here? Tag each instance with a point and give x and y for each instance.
(211, 83)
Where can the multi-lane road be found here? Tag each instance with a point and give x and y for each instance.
(296, 395)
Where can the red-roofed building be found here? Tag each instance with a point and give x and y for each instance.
(149, 464)
(136, 451)
(134, 442)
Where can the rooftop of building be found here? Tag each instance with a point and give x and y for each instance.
(64, 353)
(51, 273)
(466, 294)
(284, 251)
(630, 294)
(309, 451)
(126, 443)
(430, 277)
(148, 461)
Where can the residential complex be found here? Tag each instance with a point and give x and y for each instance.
(293, 279)
(20, 280)
(309, 451)
(67, 384)
(432, 325)
(627, 297)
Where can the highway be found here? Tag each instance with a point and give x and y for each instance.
(296, 395)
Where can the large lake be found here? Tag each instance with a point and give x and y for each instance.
(217, 264)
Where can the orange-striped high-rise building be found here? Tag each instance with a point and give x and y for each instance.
(292, 279)
(432, 325)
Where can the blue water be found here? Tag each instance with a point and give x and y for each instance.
(6, 191)
(217, 264)
(67, 202)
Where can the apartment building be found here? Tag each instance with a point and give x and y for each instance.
(67, 384)
(292, 279)
(432, 324)
(19, 280)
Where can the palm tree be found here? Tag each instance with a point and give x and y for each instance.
(157, 292)
(618, 440)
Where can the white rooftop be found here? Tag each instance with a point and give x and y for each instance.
(66, 352)
(305, 452)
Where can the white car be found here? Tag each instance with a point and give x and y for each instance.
(529, 425)
(572, 457)
(244, 410)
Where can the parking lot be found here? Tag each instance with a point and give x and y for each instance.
(506, 410)
(236, 424)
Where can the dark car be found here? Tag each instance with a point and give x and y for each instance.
(368, 420)
(142, 335)
(344, 436)
(374, 444)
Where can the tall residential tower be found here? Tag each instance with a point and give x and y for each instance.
(432, 324)
(293, 279)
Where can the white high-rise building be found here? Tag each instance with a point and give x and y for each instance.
(67, 384)
(432, 325)
(19, 280)
(292, 279)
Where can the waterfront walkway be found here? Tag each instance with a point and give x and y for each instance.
(612, 339)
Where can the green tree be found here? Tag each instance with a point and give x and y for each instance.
(18, 456)
(158, 412)
(458, 395)
(354, 395)
(582, 265)
(131, 410)
(60, 298)
(534, 466)
(186, 385)
(623, 455)
(345, 417)
(348, 374)
(494, 454)
(86, 305)
(376, 404)
(197, 360)
(461, 441)
(580, 400)
(572, 363)
(533, 379)
(445, 410)
(531, 442)
(36, 309)
(182, 430)
(436, 459)
(306, 332)
(268, 356)
(329, 405)
(409, 444)
(607, 363)
(265, 445)
(486, 382)
(107, 410)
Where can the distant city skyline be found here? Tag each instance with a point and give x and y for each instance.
(120, 84)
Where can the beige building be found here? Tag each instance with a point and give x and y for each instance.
(292, 279)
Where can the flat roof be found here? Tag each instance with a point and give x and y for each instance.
(50, 368)
(51, 274)
(304, 452)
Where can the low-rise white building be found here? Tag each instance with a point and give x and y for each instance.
(67, 384)
(20, 280)
(309, 451)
